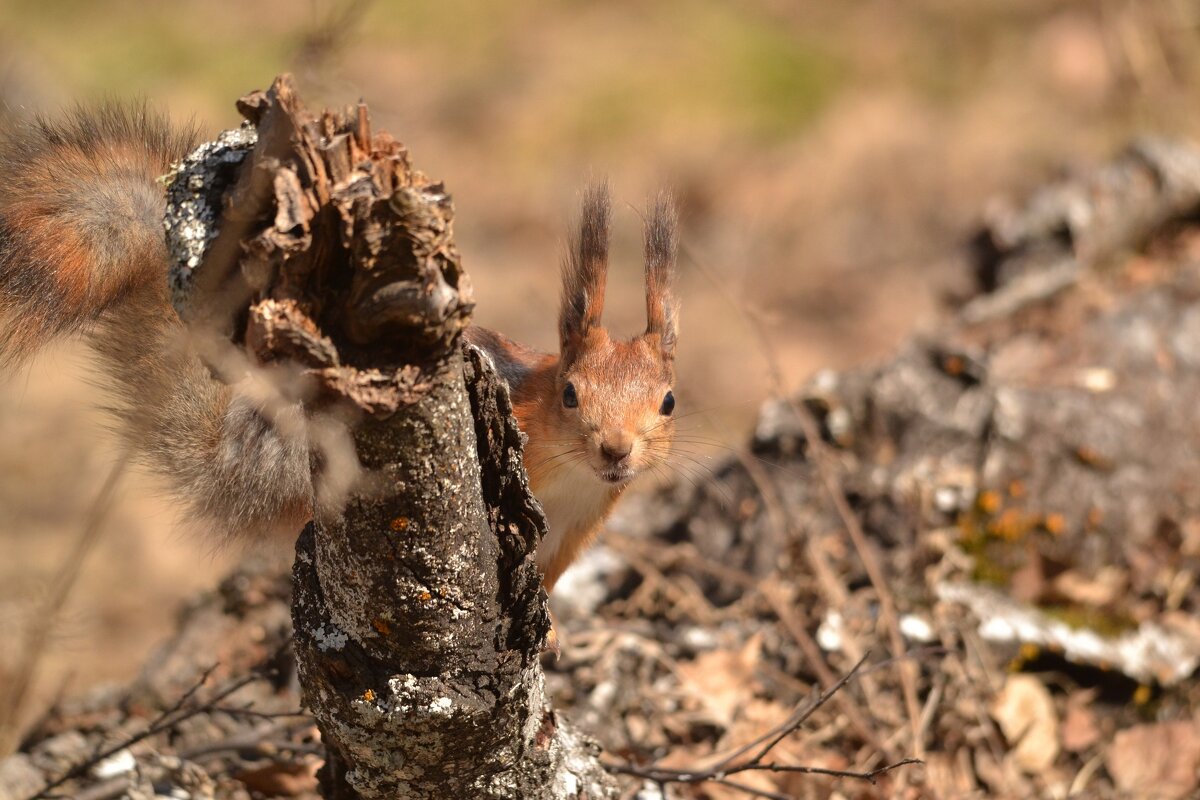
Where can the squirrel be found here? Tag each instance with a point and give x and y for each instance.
(600, 412)
(82, 249)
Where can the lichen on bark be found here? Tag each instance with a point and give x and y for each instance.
(418, 610)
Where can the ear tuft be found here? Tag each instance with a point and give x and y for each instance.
(662, 244)
(585, 267)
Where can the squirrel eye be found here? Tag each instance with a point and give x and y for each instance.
(570, 399)
(668, 405)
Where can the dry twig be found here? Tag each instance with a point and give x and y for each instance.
(172, 716)
(12, 701)
(765, 744)
(827, 472)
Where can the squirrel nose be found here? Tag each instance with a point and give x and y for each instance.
(616, 448)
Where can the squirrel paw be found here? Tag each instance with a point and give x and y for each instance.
(552, 644)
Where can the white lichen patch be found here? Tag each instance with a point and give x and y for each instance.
(402, 686)
(193, 204)
(1149, 653)
(330, 638)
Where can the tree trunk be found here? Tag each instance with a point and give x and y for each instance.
(418, 610)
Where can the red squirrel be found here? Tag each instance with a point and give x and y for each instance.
(599, 413)
(82, 249)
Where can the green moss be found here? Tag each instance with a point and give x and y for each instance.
(774, 80)
(125, 49)
(998, 537)
(1101, 621)
(734, 69)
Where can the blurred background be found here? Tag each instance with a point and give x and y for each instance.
(830, 159)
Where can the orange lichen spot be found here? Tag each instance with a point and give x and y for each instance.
(368, 696)
(1012, 524)
(988, 501)
(381, 626)
(954, 366)
(1142, 694)
(1016, 488)
(425, 597)
(747, 508)
(966, 526)
(1055, 524)
(1091, 457)
(399, 524)
(1025, 654)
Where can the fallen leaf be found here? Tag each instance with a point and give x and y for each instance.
(1025, 712)
(724, 681)
(1028, 583)
(1156, 761)
(1099, 589)
(1079, 728)
(949, 774)
(754, 719)
(283, 780)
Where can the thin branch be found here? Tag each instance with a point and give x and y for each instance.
(822, 460)
(869, 776)
(165, 721)
(249, 711)
(789, 617)
(691, 777)
(765, 743)
(781, 732)
(252, 741)
(778, 606)
(41, 624)
(750, 790)
(106, 790)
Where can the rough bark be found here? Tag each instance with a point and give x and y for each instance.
(417, 604)
(424, 659)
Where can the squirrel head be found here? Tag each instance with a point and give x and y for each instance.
(615, 397)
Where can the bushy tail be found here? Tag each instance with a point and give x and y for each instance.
(80, 219)
(82, 248)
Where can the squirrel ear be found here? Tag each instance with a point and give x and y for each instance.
(662, 242)
(584, 270)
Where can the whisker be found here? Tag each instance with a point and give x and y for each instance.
(665, 478)
(549, 459)
(693, 470)
(742, 452)
(562, 464)
(681, 474)
(719, 407)
(692, 467)
(713, 489)
(695, 467)
(546, 442)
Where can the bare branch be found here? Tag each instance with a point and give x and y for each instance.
(766, 743)
(168, 719)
